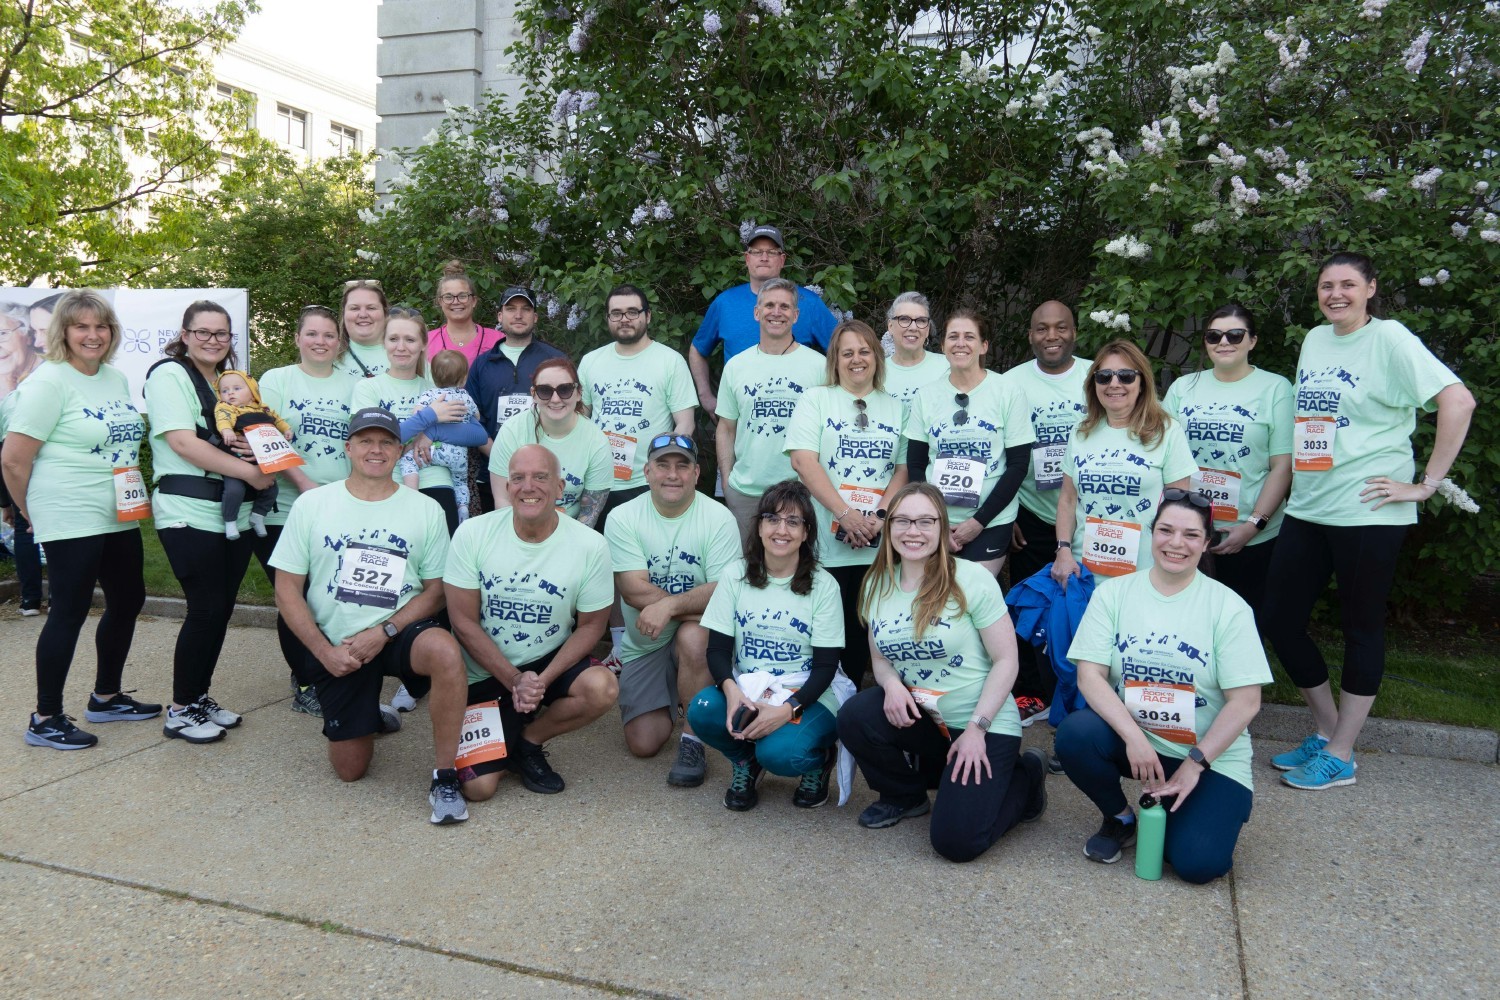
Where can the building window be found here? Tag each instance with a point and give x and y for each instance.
(342, 139)
(234, 95)
(291, 126)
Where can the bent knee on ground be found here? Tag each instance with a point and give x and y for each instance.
(481, 787)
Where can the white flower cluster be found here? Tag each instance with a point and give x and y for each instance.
(1111, 320)
(542, 227)
(578, 40)
(815, 289)
(1160, 135)
(1128, 247)
(1206, 227)
(1428, 280)
(369, 255)
(1275, 158)
(1093, 32)
(1488, 223)
(1457, 496)
(1291, 59)
(658, 210)
(1049, 89)
(1227, 157)
(1097, 141)
(1480, 187)
(971, 71)
(554, 306)
(772, 7)
(1415, 56)
(1013, 107)
(1207, 111)
(1371, 9)
(1459, 230)
(1427, 179)
(1200, 76)
(1299, 183)
(1377, 195)
(366, 216)
(746, 228)
(575, 318)
(711, 24)
(574, 102)
(640, 215)
(1242, 198)
(564, 186)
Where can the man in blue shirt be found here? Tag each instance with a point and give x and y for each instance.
(731, 315)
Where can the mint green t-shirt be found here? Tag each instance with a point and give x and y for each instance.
(399, 395)
(1057, 403)
(172, 405)
(859, 463)
(1235, 429)
(775, 630)
(634, 398)
(997, 420)
(512, 351)
(678, 554)
(88, 427)
(1371, 382)
(950, 659)
(363, 559)
(760, 391)
(317, 410)
(373, 357)
(1119, 479)
(1190, 647)
(903, 382)
(529, 592)
(583, 454)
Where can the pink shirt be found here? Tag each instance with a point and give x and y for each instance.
(438, 340)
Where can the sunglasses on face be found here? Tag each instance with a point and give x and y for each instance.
(862, 420)
(961, 417)
(1235, 336)
(564, 391)
(1191, 496)
(1127, 376)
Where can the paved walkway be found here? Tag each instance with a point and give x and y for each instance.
(147, 867)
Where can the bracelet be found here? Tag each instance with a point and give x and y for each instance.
(842, 514)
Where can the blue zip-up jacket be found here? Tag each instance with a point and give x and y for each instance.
(1047, 617)
(493, 375)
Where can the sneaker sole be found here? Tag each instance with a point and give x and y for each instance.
(677, 780)
(1026, 722)
(912, 813)
(37, 741)
(437, 820)
(812, 805)
(1118, 854)
(1352, 779)
(1041, 758)
(178, 734)
(1289, 767)
(112, 717)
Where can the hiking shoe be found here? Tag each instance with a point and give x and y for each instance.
(1323, 771)
(59, 733)
(402, 701)
(305, 700)
(1110, 842)
(1035, 761)
(1030, 708)
(30, 610)
(446, 798)
(690, 766)
(218, 714)
(1301, 755)
(120, 708)
(536, 774)
(1054, 765)
(880, 814)
(390, 720)
(192, 724)
(812, 791)
(741, 795)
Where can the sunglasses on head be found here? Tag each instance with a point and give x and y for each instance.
(1127, 376)
(1191, 496)
(1235, 336)
(961, 417)
(564, 391)
(862, 420)
(662, 440)
(363, 283)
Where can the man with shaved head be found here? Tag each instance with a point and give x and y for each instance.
(528, 596)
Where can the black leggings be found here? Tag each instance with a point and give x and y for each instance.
(448, 500)
(1245, 574)
(855, 658)
(113, 560)
(292, 649)
(1363, 561)
(1035, 676)
(210, 568)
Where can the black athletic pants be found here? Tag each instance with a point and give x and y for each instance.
(210, 568)
(74, 565)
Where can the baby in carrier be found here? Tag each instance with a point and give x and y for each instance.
(240, 407)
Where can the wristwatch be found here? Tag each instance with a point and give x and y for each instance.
(1259, 521)
(980, 723)
(390, 630)
(795, 707)
(1196, 756)
(1064, 545)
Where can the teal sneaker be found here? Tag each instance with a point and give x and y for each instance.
(1323, 771)
(1304, 753)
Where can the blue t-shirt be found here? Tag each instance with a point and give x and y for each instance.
(731, 319)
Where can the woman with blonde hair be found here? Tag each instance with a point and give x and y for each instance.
(363, 310)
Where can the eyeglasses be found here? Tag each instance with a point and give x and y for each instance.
(920, 523)
(862, 420)
(962, 416)
(219, 336)
(1127, 376)
(1191, 496)
(617, 315)
(907, 322)
(453, 298)
(662, 440)
(564, 391)
(792, 521)
(363, 283)
(765, 254)
(1234, 336)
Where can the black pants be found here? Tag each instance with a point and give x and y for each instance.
(1245, 574)
(966, 819)
(855, 658)
(28, 560)
(1035, 676)
(210, 568)
(1363, 561)
(292, 650)
(448, 500)
(236, 491)
(481, 500)
(114, 561)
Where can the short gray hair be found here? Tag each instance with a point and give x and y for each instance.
(915, 298)
(777, 285)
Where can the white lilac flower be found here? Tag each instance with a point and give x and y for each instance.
(1098, 141)
(542, 227)
(1459, 230)
(1226, 57)
(1111, 320)
(661, 211)
(1208, 111)
(640, 215)
(1242, 197)
(1415, 56)
(1299, 183)
(565, 105)
(1490, 235)
(1276, 157)
(369, 255)
(1377, 195)
(1093, 32)
(1426, 281)
(711, 23)
(1371, 9)
(578, 40)
(1227, 157)
(366, 216)
(1013, 107)
(564, 185)
(1206, 227)
(1427, 179)
(575, 318)
(1156, 137)
(815, 289)
(554, 307)
(499, 215)
(1480, 187)
(772, 7)
(587, 100)
(1128, 247)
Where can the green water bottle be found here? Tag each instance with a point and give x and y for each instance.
(1150, 838)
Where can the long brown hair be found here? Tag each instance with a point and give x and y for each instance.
(1148, 420)
(412, 316)
(566, 364)
(791, 495)
(178, 348)
(939, 573)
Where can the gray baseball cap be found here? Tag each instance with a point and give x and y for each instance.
(379, 419)
(770, 232)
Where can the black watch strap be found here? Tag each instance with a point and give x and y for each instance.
(1196, 755)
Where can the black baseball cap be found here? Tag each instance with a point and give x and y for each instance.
(770, 232)
(518, 290)
(673, 444)
(374, 416)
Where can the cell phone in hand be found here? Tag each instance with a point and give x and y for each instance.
(744, 717)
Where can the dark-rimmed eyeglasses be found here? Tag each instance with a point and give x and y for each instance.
(907, 322)
(1235, 336)
(961, 417)
(861, 419)
(920, 523)
(619, 315)
(765, 254)
(564, 391)
(792, 521)
(1191, 496)
(204, 336)
(454, 298)
(1127, 376)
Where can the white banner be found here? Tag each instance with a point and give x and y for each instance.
(150, 318)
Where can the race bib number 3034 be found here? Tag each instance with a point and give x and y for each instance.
(1168, 710)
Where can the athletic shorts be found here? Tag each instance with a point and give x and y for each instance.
(351, 704)
(513, 722)
(991, 543)
(649, 683)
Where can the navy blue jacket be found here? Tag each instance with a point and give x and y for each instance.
(493, 375)
(1047, 616)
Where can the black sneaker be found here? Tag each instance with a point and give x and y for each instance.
(536, 774)
(446, 797)
(1054, 765)
(741, 795)
(880, 814)
(1034, 761)
(59, 733)
(120, 708)
(812, 791)
(1110, 842)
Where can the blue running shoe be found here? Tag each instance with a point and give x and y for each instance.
(1304, 753)
(1323, 771)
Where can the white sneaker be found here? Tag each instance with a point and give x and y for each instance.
(193, 725)
(218, 714)
(402, 701)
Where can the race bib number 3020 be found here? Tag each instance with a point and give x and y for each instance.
(1111, 548)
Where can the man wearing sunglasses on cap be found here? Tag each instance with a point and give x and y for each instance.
(668, 548)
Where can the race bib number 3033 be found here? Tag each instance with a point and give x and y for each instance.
(1312, 443)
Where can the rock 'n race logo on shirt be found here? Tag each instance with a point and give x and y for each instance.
(524, 607)
(322, 425)
(1216, 431)
(767, 637)
(123, 431)
(622, 405)
(772, 403)
(366, 538)
(919, 661)
(1112, 492)
(862, 454)
(1161, 657)
(1054, 421)
(1321, 391)
(677, 571)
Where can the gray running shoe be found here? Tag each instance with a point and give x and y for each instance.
(691, 765)
(390, 720)
(447, 799)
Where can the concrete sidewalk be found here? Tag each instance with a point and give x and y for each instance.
(147, 867)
